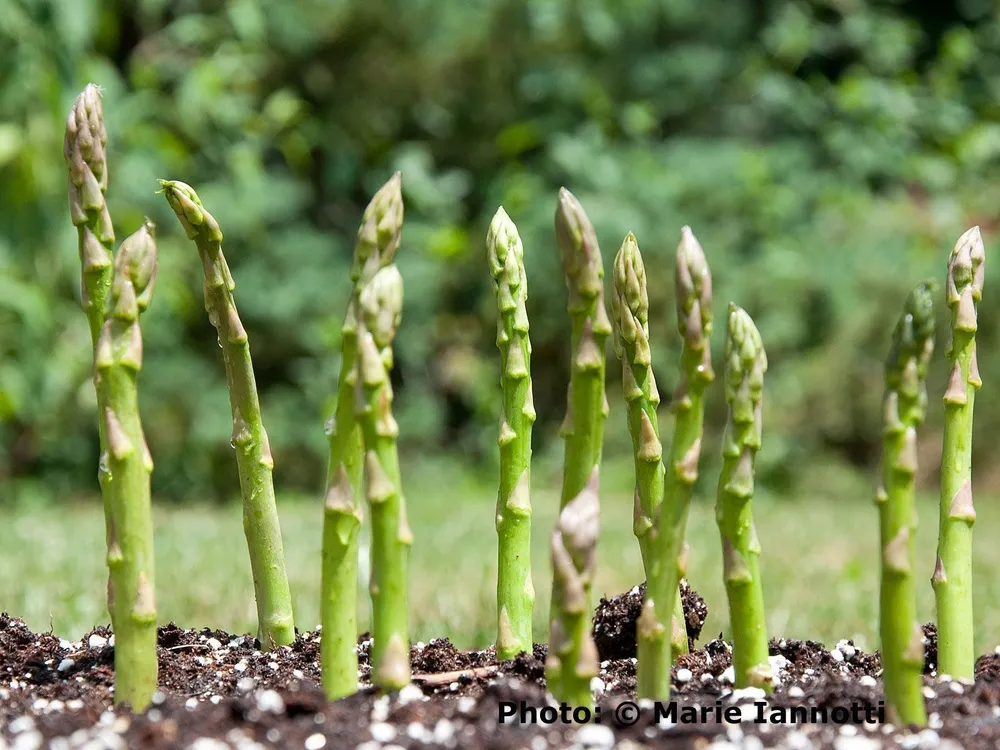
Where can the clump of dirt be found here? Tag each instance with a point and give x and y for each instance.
(615, 619)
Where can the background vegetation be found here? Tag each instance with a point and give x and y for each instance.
(827, 154)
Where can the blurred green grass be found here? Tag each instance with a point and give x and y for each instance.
(819, 560)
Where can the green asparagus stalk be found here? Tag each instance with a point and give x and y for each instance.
(693, 292)
(665, 557)
(381, 305)
(378, 240)
(572, 660)
(86, 158)
(253, 453)
(904, 407)
(515, 592)
(630, 316)
(746, 364)
(117, 360)
(587, 403)
(587, 410)
(952, 578)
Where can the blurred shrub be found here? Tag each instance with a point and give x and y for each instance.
(827, 154)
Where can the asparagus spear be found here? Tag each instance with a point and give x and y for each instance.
(630, 315)
(515, 592)
(952, 578)
(381, 305)
(693, 292)
(746, 364)
(587, 403)
(572, 660)
(583, 427)
(664, 557)
(86, 158)
(117, 360)
(378, 240)
(904, 406)
(253, 453)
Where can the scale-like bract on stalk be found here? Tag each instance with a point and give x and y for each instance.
(904, 406)
(572, 660)
(117, 361)
(746, 363)
(952, 577)
(253, 453)
(85, 151)
(515, 591)
(380, 309)
(378, 239)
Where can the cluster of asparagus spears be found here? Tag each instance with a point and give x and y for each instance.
(363, 458)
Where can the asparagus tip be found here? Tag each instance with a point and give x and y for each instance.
(966, 267)
(381, 229)
(629, 298)
(693, 289)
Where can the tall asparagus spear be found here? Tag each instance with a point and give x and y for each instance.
(253, 453)
(904, 407)
(952, 578)
(572, 661)
(515, 592)
(746, 364)
(117, 360)
(693, 292)
(630, 315)
(378, 240)
(381, 305)
(666, 522)
(84, 149)
(587, 403)
(583, 427)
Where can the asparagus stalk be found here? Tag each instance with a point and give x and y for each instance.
(118, 359)
(515, 592)
(630, 315)
(378, 240)
(664, 556)
(693, 292)
(253, 453)
(587, 403)
(381, 304)
(746, 364)
(904, 407)
(572, 661)
(952, 578)
(86, 158)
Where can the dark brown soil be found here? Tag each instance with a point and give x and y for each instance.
(218, 691)
(614, 621)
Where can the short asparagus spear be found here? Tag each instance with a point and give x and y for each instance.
(572, 660)
(953, 573)
(587, 402)
(253, 453)
(381, 304)
(118, 360)
(904, 407)
(84, 149)
(746, 364)
(378, 240)
(515, 592)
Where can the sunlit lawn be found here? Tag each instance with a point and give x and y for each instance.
(819, 562)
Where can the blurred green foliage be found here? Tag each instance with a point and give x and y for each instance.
(827, 153)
